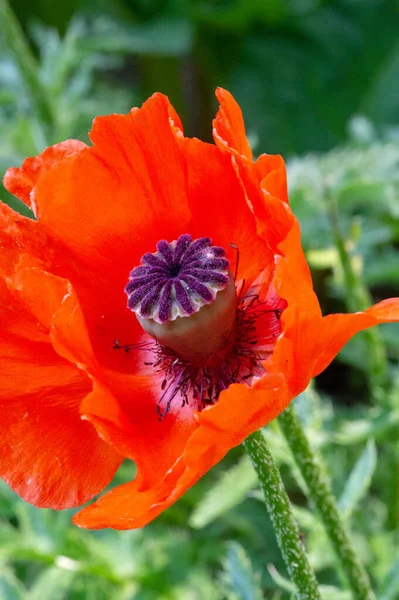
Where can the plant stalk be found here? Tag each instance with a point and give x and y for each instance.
(285, 526)
(319, 491)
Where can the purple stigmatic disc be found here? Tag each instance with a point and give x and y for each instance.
(178, 279)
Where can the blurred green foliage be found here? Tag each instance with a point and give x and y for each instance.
(310, 75)
(300, 69)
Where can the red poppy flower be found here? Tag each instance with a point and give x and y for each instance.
(145, 200)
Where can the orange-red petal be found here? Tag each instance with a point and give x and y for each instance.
(112, 202)
(229, 134)
(219, 208)
(228, 125)
(22, 181)
(20, 236)
(49, 456)
(336, 330)
(239, 411)
(123, 411)
(272, 175)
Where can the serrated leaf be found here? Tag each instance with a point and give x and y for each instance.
(52, 584)
(280, 581)
(10, 587)
(228, 492)
(306, 518)
(390, 587)
(327, 592)
(359, 480)
(330, 592)
(383, 268)
(308, 405)
(162, 36)
(239, 580)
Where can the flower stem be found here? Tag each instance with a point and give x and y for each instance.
(285, 526)
(319, 491)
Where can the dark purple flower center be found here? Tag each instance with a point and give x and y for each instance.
(178, 279)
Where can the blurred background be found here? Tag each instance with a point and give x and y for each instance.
(317, 81)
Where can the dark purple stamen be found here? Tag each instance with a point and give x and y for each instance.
(178, 279)
(238, 361)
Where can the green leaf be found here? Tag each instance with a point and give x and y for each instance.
(359, 480)
(10, 587)
(239, 580)
(377, 425)
(162, 36)
(52, 584)
(390, 587)
(280, 581)
(308, 405)
(328, 592)
(227, 493)
(383, 268)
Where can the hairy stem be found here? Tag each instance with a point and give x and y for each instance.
(285, 526)
(320, 494)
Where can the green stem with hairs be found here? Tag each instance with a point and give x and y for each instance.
(319, 491)
(285, 526)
